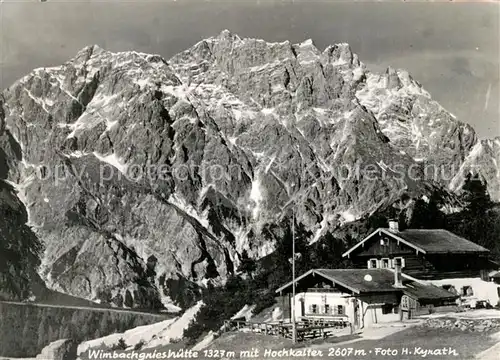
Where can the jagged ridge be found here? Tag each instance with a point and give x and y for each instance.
(282, 122)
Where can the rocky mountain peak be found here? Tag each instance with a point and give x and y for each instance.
(125, 157)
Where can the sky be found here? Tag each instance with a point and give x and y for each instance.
(451, 48)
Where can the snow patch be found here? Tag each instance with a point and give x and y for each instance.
(319, 232)
(112, 160)
(169, 304)
(177, 91)
(320, 111)
(161, 333)
(207, 340)
(237, 114)
(21, 194)
(132, 337)
(357, 74)
(268, 111)
(232, 140)
(256, 196)
(268, 167)
(339, 62)
(188, 209)
(245, 312)
(175, 330)
(348, 216)
(143, 83)
(43, 103)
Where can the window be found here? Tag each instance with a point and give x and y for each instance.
(314, 309)
(398, 260)
(450, 288)
(340, 309)
(327, 309)
(467, 291)
(385, 263)
(372, 264)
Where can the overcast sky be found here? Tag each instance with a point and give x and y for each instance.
(451, 48)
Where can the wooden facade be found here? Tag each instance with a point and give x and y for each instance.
(418, 264)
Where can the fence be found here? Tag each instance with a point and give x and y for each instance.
(306, 328)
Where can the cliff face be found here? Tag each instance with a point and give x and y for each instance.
(141, 175)
(482, 160)
(19, 247)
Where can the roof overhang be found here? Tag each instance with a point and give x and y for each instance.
(388, 233)
(319, 273)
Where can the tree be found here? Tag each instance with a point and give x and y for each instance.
(43, 333)
(105, 325)
(476, 195)
(121, 345)
(280, 263)
(65, 332)
(28, 337)
(327, 252)
(247, 265)
(427, 214)
(479, 220)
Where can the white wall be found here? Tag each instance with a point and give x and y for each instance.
(373, 315)
(332, 299)
(483, 290)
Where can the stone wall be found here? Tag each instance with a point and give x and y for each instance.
(476, 325)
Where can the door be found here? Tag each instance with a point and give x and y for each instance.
(302, 307)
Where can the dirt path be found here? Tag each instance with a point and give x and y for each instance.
(493, 353)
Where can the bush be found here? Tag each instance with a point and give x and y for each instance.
(139, 345)
(265, 301)
(120, 345)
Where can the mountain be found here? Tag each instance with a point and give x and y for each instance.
(19, 247)
(144, 178)
(482, 160)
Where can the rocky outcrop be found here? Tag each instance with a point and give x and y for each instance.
(417, 125)
(482, 160)
(19, 246)
(64, 349)
(145, 178)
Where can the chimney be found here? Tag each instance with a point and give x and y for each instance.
(393, 225)
(398, 282)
